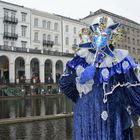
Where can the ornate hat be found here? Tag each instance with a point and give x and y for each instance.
(101, 32)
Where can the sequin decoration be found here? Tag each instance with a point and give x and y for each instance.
(125, 65)
(105, 73)
(104, 115)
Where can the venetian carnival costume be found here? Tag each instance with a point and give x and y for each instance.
(102, 83)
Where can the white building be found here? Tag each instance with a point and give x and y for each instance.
(29, 50)
(70, 33)
(15, 26)
(36, 45)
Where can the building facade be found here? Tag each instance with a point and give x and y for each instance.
(32, 44)
(35, 46)
(131, 33)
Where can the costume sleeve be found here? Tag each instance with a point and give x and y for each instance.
(67, 83)
(133, 91)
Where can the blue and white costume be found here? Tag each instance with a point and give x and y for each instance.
(105, 103)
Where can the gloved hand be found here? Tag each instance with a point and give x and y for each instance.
(87, 74)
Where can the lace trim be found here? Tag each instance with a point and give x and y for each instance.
(84, 53)
(89, 57)
(84, 88)
(128, 85)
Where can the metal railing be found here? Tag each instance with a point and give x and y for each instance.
(36, 51)
(10, 19)
(48, 43)
(10, 35)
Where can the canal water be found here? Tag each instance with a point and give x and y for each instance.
(60, 129)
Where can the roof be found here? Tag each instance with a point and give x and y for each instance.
(109, 13)
(71, 19)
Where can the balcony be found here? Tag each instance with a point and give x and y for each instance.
(48, 43)
(8, 35)
(18, 49)
(12, 20)
(33, 51)
(5, 48)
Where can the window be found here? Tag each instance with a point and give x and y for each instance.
(128, 39)
(36, 36)
(125, 47)
(129, 49)
(6, 28)
(75, 41)
(137, 33)
(134, 50)
(133, 32)
(67, 28)
(13, 14)
(138, 42)
(44, 24)
(128, 31)
(138, 51)
(36, 22)
(56, 40)
(12, 44)
(44, 36)
(23, 31)
(6, 12)
(74, 30)
(13, 29)
(67, 41)
(133, 41)
(48, 25)
(56, 26)
(23, 44)
(125, 38)
(23, 17)
(139, 61)
(49, 37)
(6, 43)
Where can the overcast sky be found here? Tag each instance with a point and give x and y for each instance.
(80, 8)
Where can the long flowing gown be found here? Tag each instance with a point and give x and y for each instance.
(104, 105)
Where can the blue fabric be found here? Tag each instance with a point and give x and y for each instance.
(88, 74)
(88, 124)
(67, 84)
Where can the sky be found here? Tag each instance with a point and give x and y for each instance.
(78, 9)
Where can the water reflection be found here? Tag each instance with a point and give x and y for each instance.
(42, 130)
(35, 106)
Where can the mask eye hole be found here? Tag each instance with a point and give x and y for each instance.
(104, 34)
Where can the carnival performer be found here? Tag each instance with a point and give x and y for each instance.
(101, 81)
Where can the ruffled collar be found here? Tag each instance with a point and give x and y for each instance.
(108, 61)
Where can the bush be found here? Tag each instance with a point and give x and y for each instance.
(55, 91)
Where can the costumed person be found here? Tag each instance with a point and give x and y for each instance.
(101, 81)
